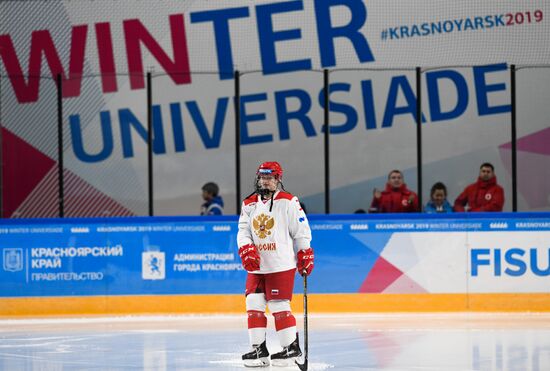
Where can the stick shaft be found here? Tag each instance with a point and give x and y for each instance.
(303, 366)
(305, 320)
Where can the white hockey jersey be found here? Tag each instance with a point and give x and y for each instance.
(278, 234)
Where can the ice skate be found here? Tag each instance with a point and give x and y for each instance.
(258, 357)
(288, 355)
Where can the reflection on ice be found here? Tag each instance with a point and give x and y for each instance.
(343, 342)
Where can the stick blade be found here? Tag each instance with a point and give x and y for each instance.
(302, 366)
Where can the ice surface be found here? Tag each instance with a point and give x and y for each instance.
(455, 341)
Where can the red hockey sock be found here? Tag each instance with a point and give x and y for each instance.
(256, 319)
(284, 320)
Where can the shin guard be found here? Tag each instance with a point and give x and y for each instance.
(285, 324)
(257, 323)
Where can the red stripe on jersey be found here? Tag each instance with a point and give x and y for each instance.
(284, 320)
(251, 199)
(284, 196)
(256, 319)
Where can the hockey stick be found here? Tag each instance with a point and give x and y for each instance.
(303, 366)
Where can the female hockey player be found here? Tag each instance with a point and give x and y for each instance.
(274, 239)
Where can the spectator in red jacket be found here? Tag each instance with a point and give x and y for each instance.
(396, 198)
(483, 195)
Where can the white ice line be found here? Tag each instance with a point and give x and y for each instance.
(194, 317)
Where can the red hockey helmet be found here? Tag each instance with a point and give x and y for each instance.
(270, 168)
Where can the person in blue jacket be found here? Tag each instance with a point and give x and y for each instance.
(438, 200)
(213, 204)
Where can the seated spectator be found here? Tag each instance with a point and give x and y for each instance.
(396, 198)
(438, 200)
(483, 195)
(213, 202)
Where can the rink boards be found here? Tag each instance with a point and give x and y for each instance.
(364, 263)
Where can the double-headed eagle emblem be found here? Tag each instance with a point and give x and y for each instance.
(262, 225)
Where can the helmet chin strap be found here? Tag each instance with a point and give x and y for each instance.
(263, 192)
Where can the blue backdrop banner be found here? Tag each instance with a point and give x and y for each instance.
(190, 255)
